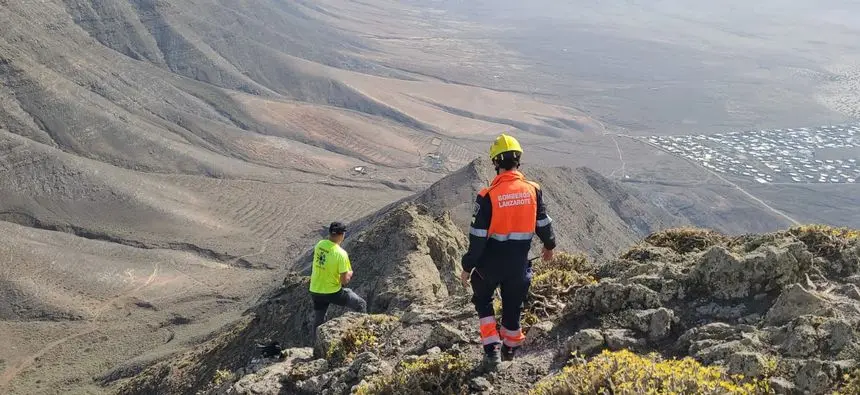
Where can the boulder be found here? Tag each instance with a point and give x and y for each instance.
(445, 336)
(813, 377)
(656, 323)
(796, 301)
(621, 339)
(330, 332)
(585, 342)
(838, 334)
(480, 385)
(271, 379)
(749, 364)
(801, 342)
(724, 275)
(608, 297)
(538, 333)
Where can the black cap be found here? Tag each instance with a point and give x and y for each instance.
(337, 228)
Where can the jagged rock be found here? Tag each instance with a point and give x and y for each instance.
(838, 334)
(718, 311)
(699, 338)
(721, 351)
(793, 302)
(849, 290)
(445, 336)
(304, 371)
(608, 297)
(341, 381)
(655, 322)
(333, 330)
(316, 384)
(813, 377)
(782, 386)
(620, 339)
(538, 333)
(585, 341)
(271, 379)
(749, 364)
(724, 275)
(802, 341)
(668, 288)
(409, 256)
(480, 384)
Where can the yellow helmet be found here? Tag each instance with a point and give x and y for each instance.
(504, 143)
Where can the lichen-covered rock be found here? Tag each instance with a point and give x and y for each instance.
(538, 333)
(621, 339)
(814, 377)
(271, 379)
(724, 275)
(801, 341)
(445, 336)
(837, 334)
(585, 342)
(796, 301)
(749, 364)
(608, 297)
(656, 323)
(332, 331)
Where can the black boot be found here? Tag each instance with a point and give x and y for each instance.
(492, 357)
(508, 353)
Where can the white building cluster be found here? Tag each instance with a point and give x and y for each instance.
(768, 156)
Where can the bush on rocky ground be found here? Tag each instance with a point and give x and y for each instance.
(443, 374)
(825, 241)
(552, 282)
(359, 338)
(686, 240)
(625, 373)
(851, 385)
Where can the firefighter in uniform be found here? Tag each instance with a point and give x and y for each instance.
(506, 217)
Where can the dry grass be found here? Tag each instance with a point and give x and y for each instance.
(626, 373)
(552, 282)
(446, 374)
(850, 385)
(825, 241)
(686, 240)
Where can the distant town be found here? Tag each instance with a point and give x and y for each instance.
(828, 154)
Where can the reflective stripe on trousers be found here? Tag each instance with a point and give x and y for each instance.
(513, 338)
(489, 334)
(512, 236)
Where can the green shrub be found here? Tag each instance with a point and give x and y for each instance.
(444, 374)
(625, 373)
(359, 339)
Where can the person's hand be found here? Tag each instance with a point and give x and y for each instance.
(547, 254)
(464, 277)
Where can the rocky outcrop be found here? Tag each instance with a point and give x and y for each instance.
(762, 307)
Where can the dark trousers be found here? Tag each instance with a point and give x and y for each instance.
(344, 297)
(514, 289)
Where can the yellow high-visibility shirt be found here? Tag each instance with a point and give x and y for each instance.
(330, 260)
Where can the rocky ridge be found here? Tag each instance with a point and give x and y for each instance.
(781, 309)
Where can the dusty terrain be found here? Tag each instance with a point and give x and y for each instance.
(162, 164)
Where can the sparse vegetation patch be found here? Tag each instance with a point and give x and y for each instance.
(625, 373)
(444, 374)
